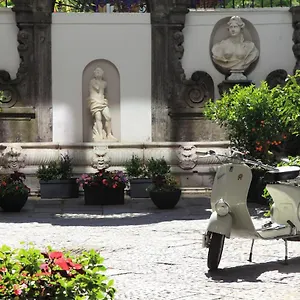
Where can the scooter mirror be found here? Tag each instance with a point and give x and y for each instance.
(211, 152)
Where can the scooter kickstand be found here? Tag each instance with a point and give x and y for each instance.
(251, 251)
(286, 252)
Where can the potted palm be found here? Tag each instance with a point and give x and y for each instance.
(164, 190)
(139, 177)
(103, 187)
(13, 192)
(56, 179)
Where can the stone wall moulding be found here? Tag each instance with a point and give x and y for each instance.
(87, 155)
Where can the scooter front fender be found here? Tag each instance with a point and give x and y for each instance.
(221, 225)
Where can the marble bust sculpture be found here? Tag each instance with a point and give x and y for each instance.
(234, 54)
(98, 105)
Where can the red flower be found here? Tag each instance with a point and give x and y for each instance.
(17, 187)
(61, 262)
(3, 269)
(3, 183)
(44, 267)
(73, 265)
(114, 185)
(55, 255)
(17, 290)
(104, 181)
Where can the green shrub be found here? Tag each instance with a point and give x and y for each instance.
(61, 169)
(259, 119)
(31, 274)
(136, 167)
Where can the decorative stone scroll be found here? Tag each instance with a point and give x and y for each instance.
(295, 11)
(277, 77)
(199, 89)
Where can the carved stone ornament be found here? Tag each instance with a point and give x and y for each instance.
(13, 158)
(277, 77)
(187, 157)
(100, 158)
(199, 89)
(235, 53)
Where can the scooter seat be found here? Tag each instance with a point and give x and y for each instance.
(282, 174)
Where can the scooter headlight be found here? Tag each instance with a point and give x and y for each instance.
(222, 208)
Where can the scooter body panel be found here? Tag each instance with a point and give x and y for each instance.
(221, 225)
(286, 203)
(231, 184)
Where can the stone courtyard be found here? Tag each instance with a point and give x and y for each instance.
(157, 255)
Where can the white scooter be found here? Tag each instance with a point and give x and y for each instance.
(230, 215)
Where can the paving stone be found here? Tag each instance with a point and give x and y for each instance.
(157, 255)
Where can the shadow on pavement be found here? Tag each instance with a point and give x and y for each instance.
(251, 272)
(136, 212)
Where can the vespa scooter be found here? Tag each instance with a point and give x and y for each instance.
(230, 215)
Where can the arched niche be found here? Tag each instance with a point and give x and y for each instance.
(112, 93)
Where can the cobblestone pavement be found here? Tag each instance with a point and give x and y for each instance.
(153, 254)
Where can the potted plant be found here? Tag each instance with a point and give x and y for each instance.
(139, 177)
(259, 120)
(29, 273)
(164, 190)
(103, 187)
(56, 179)
(13, 192)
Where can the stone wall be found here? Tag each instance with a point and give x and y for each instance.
(188, 161)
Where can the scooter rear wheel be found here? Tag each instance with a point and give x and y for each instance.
(215, 250)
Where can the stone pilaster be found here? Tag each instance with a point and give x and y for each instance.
(167, 18)
(295, 11)
(32, 82)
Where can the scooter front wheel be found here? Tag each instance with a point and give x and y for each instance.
(215, 250)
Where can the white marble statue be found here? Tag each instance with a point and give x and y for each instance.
(98, 105)
(234, 54)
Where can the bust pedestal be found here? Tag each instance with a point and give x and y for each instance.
(226, 85)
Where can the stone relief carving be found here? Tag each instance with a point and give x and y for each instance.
(187, 157)
(178, 38)
(98, 105)
(100, 159)
(296, 35)
(277, 77)
(13, 158)
(199, 89)
(234, 54)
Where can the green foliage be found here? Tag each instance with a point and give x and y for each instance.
(61, 169)
(13, 185)
(136, 167)
(35, 275)
(260, 3)
(257, 119)
(162, 180)
(158, 167)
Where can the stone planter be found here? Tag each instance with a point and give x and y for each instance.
(59, 189)
(165, 199)
(100, 195)
(13, 203)
(138, 187)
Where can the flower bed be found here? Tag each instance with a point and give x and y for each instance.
(35, 275)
